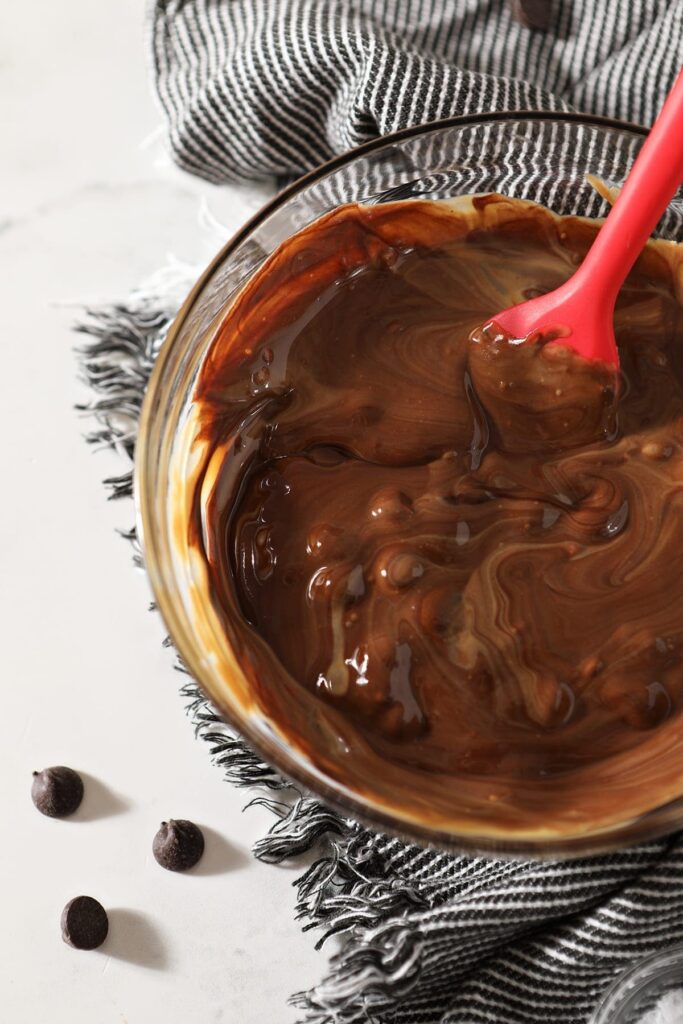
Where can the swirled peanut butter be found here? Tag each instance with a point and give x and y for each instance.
(451, 565)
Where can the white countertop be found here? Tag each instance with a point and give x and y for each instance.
(89, 206)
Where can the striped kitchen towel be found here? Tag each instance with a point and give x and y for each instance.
(256, 88)
(270, 88)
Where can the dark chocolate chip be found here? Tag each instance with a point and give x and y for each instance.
(84, 923)
(534, 14)
(178, 845)
(57, 791)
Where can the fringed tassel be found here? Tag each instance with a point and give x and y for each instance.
(116, 366)
(368, 979)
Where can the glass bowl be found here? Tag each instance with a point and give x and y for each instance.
(535, 156)
(636, 993)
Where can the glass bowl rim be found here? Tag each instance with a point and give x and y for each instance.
(287, 762)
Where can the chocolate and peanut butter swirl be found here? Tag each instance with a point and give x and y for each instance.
(462, 554)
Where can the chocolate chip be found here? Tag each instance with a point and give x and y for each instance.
(57, 792)
(178, 845)
(84, 923)
(534, 14)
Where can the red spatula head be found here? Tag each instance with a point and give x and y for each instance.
(578, 315)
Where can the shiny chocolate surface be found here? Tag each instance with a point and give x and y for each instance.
(450, 564)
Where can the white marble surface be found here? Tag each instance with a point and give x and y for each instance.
(88, 207)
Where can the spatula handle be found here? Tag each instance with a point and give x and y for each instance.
(651, 183)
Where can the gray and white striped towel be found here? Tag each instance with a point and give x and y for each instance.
(252, 88)
(256, 88)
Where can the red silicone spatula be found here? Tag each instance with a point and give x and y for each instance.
(582, 309)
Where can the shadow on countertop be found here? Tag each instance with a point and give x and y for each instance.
(132, 937)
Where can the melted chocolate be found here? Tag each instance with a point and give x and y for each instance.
(452, 564)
